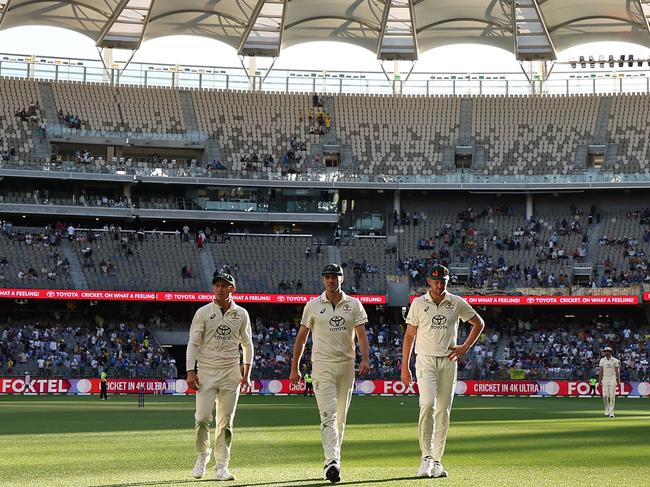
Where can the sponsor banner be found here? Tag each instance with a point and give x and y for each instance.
(170, 296)
(78, 294)
(543, 388)
(265, 298)
(646, 296)
(17, 385)
(548, 300)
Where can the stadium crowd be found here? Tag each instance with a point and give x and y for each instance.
(460, 242)
(535, 348)
(76, 350)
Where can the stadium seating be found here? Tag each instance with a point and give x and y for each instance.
(388, 135)
(121, 109)
(32, 262)
(397, 135)
(155, 263)
(627, 127)
(17, 95)
(255, 124)
(527, 135)
(367, 264)
(261, 263)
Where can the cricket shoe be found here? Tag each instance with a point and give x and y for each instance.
(425, 467)
(611, 415)
(202, 460)
(222, 473)
(438, 471)
(332, 472)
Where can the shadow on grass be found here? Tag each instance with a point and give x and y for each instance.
(297, 483)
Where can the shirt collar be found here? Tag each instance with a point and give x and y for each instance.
(429, 299)
(233, 306)
(323, 297)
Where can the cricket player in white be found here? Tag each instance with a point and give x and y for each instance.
(432, 323)
(217, 330)
(609, 376)
(334, 318)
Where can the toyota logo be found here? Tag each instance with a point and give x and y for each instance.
(169, 296)
(281, 299)
(530, 300)
(50, 294)
(223, 330)
(337, 320)
(438, 320)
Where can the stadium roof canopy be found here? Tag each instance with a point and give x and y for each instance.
(394, 29)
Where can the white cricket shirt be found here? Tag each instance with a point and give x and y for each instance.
(215, 337)
(609, 368)
(437, 324)
(332, 327)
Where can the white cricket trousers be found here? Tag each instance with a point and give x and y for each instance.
(609, 395)
(436, 377)
(333, 385)
(217, 387)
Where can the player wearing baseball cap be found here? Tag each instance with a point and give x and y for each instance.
(432, 323)
(609, 376)
(334, 318)
(217, 330)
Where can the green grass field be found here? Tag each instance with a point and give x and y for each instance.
(79, 441)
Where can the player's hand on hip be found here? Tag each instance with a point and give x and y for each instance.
(245, 385)
(364, 368)
(457, 352)
(295, 376)
(192, 380)
(406, 377)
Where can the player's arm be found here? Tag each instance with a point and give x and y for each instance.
(196, 334)
(477, 327)
(298, 349)
(600, 375)
(407, 349)
(364, 347)
(618, 376)
(247, 354)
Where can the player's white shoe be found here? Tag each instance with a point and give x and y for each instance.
(438, 470)
(425, 467)
(222, 473)
(202, 460)
(611, 415)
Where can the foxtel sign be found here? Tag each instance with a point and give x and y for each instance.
(548, 300)
(171, 296)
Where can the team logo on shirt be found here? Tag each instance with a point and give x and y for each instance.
(347, 308)
(439, 322)
(426, 309)
(213, 315)
(223, 332)
(234, 315)
(323, 310)
(337, 323)
(449, 305)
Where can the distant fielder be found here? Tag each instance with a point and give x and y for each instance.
(432, 323)
(609, 376)
(334, 318)
(217, 330)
